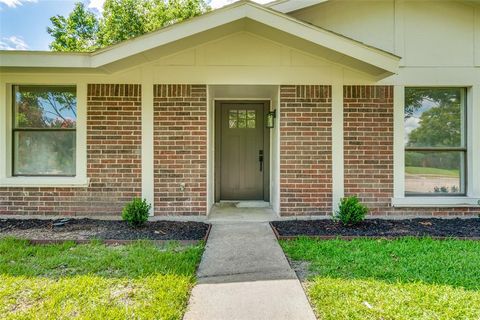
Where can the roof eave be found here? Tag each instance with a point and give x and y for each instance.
(377, 58)
(286, 6)
(44, 59)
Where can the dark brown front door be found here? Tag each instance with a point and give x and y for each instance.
(242, 158)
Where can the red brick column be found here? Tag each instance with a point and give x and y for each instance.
(305, 150)
(180, 149)
(113, 161)
(368, 145)
(114, 141)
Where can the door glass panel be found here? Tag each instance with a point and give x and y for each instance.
(241, 119)
(232, 119)
(251, 119)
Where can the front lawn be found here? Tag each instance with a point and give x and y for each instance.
(432, 171)
(94, 281)
(391, 279)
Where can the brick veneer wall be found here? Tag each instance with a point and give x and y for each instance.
(368, 153)
(113, 161)
(305, 150)
(180, 149)
(368, 144)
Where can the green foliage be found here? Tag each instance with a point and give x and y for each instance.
(415, 97)
(391, 279)
(351, 211)
(44, 108)
(78, 32)
(432, 171)
(120, 20)
(136, 212)
(94, 281)
(356, 299)
(439, 127)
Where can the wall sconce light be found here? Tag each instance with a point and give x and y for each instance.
(271, 119)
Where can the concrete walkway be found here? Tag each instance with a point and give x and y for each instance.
(245, 275)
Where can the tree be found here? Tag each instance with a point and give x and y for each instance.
(77, 32)
(415, 97)
(121, 20)
(439, 126)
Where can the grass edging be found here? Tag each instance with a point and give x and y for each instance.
(340, 237)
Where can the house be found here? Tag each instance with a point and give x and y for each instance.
(297, 102)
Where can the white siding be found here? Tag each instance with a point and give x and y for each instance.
(423, 33)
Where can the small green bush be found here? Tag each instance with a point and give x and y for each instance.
(351, 211)
(136, 212)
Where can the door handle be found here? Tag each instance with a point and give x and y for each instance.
(260, 159)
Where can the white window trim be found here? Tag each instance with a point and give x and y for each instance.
(435, 201)
(472, 198)
(6, 178)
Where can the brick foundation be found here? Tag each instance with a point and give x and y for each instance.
(113, 161)
(180, 149)
(305, 150)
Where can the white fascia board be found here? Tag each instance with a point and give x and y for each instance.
(44, 59)
(286, 6)
(370, 55)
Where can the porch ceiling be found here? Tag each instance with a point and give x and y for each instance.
(240, 16)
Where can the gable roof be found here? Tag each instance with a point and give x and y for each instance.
(339, 49)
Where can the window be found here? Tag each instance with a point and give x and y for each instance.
(241, 119)
(44, 130)
(435, 146)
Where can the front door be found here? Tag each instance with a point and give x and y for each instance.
(242, 152)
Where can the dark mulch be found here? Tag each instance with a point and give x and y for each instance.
(85, 229)
(381, 228)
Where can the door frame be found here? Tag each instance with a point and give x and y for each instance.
(266, 145)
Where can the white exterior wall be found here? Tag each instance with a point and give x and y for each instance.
(424, 33)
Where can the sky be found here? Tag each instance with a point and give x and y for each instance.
(23, 23)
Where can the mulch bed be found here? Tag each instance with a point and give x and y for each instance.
(89, 229)
(380, 228)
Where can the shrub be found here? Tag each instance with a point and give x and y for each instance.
(136, 212)
(351, 211)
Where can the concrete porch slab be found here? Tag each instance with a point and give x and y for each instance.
(230, 213)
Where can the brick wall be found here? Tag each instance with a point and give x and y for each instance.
(180, 149)
(113, 161)
(305, 150)
(368, 152)
(368, 144)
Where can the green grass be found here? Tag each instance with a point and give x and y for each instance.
(94, 281)
(391, 279)
(432, 171)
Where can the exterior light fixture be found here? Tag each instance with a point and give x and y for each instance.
(271, 119)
